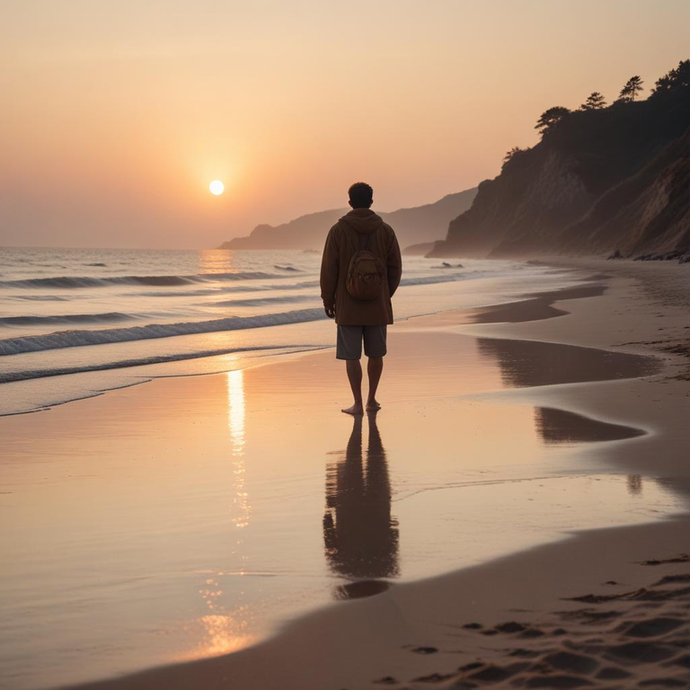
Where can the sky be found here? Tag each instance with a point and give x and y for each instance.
(116, 116)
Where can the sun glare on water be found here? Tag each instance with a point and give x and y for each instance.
(216, 187)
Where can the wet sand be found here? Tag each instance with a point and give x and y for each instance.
(531, 307)
(579, 613)
(605, 608)
(412, 633)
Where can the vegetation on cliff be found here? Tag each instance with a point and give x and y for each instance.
(601, 178)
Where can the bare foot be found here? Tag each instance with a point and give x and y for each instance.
(373, 405)
(354, 410)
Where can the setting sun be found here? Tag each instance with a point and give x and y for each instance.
(216, 187)
(255, 378)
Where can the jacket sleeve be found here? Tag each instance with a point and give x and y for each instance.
(394, 261)
(329, 269)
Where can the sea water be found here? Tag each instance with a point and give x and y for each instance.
(75, 322)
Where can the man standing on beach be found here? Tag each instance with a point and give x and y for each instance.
(360, 272)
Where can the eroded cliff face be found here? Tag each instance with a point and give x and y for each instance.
(599, 181)
(646, 213)
(514, 214)
(554, 197)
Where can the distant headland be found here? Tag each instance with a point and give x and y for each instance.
(420, 224)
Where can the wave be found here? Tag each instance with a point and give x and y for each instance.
(431, 280)
(75, 282)
(63, 339)
(265, 301)
(304, 284)
(41, 298)
(187, 293)
(108, 317)
(235, 288)
(288, 268)
(239, 275)
(14, 376)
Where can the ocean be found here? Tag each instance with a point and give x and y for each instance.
(77, 322)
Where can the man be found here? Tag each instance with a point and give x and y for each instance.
(360, 231)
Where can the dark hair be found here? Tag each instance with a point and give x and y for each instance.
(361, 195)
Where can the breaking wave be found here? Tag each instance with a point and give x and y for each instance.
(108, 317)
(14, 376)
(74, 282)
(40, 298)
(80, 338)
(431, 280)
(265, 301)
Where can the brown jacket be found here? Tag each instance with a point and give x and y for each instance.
(356, 226)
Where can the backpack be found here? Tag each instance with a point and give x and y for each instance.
(365, 274)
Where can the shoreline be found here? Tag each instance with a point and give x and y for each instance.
(32, 386)
(295, 652)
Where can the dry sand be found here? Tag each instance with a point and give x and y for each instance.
(606, 608)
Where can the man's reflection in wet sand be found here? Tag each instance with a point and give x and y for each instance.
(360, 536)
(634, 484)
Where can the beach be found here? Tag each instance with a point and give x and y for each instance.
(529, 451)
(345, 368)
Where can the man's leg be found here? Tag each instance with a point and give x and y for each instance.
(375, 350)
(354, 376)
(374, 369)
(349, 348)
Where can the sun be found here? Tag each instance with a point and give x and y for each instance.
(216, 187)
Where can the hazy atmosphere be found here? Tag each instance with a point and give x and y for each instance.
(117, 116)
(255, 439)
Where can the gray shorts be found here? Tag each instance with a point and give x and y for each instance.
(350, 341)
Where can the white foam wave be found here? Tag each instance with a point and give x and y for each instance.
(265, 301)
(62, 319)
(431, 280)
(14, 376)
(75, 282)
(80, 338)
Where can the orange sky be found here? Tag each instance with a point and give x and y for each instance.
(117, 115)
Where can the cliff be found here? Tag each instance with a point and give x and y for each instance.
(649, 212)
(419, 224)
(599, 180)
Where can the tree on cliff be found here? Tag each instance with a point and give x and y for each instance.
(551, 117)
(679, 77)
(511, 155)
(595, 101)
(631, 89)
(516, 150)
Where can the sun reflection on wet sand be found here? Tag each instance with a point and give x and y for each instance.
(226, 632)
(221, 633)
(236, 424)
